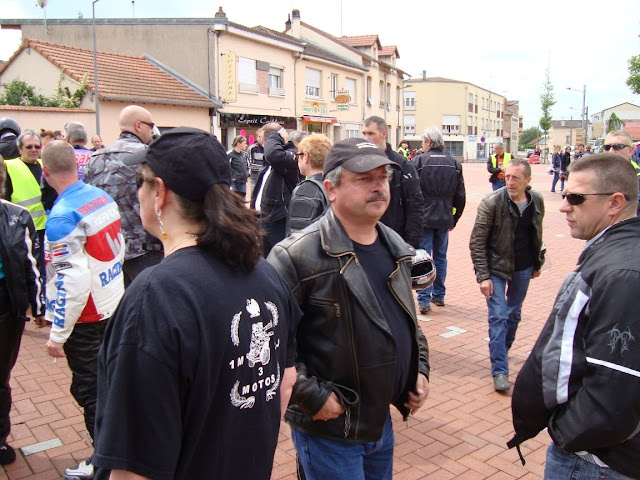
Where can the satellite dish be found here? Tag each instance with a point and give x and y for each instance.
(42, 3)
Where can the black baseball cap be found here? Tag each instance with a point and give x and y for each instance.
(188, 160)
(356, 155)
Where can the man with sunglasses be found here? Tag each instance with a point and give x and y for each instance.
(507, 252)
(582, 378)
(111, 169)
(620, 142)
(25, 185)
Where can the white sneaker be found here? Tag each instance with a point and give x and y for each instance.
(84, 471)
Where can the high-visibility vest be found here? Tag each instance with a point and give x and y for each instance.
(26, 191)
(635, 165)
(505, 160)
(494, 161)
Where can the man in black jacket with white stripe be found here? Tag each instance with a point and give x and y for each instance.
(582, 378)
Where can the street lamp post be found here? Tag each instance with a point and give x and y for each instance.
(95, 70)
(583, 115)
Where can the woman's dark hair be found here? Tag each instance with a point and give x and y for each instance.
(229, 228)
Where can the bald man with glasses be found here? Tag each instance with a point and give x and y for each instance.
(111, 169)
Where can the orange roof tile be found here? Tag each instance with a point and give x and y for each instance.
(361, 40)
(120, 77)
(388, 51)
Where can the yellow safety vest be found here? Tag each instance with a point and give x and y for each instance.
(505, 161)
(26, 191)
(635, 165)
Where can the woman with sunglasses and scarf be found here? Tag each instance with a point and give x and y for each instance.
(196, 361)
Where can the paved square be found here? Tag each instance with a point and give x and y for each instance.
(460, 433)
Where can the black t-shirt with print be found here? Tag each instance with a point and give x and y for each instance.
(190, 369)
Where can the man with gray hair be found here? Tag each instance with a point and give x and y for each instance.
(359, 345)
(297, 136)
(406, 205)
(76, 135)
(507, 252)
(496, 166)
(444, 195)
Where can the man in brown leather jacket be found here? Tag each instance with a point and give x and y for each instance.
(359, 346)
(506, 250)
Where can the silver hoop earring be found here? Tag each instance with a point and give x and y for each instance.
(163, 235)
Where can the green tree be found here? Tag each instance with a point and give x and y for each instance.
(634, 78)
(546, 102)
(20, 93)
(527, 135)
(614, 123)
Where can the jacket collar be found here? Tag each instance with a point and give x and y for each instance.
(336, 243)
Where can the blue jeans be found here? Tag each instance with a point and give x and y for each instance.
(562, 465)
(498, 184)
(323, 458)
(504, 306)
(435, 241)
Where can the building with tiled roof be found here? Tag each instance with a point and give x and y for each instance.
(255, 74)
(122, 80)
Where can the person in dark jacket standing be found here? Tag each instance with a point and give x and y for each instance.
(239, 165)
(20, 288)
(9, 131)
(444, 195)
(565, 161)
(556, 162)
(272, 193)
(406, 205)
(507, 252)
(359, 346)
(582, 378)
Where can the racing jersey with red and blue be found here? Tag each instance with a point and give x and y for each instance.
(83, 256)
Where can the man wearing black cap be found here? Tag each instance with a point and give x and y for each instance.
(359, 346)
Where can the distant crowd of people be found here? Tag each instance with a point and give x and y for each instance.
(200, 295)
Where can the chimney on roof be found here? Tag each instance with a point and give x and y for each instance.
(287, 24)
(424, 74)
(221, 17)
(295, 23)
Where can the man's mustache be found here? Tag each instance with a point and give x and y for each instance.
(375, 197)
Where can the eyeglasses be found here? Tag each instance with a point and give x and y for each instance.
(300, 154)
(31, 147)
(579, 198)
(616, 146)
(149, 124)
(140, 179)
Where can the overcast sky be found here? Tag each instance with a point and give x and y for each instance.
(501, 45)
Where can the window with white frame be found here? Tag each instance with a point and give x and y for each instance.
(247, 76)
(409, 100)
(409, 124)
(350, 86)
(334, 85)
(353, 130)
(451, 124)
(275, 81)
(313, 82)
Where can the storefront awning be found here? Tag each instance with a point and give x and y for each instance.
(316, 119)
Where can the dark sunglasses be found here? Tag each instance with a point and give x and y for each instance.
(579, 198)
(149, 124)
(31, 147)
(140, 179)
(616, 146)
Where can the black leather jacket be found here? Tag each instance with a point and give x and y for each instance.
(344, 344)
(406, 206)
(282, 180)
(20, 251)
(492, 238)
